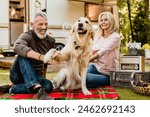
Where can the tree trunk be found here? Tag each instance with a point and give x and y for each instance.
(129, 14)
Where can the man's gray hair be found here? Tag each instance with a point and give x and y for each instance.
(39, 14)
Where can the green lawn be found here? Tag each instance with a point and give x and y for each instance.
(4, 76)
(125, 94)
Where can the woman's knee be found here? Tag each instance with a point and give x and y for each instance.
(96, 80)
(90, 68)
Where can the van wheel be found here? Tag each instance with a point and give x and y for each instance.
(8, 54)
(59, 46)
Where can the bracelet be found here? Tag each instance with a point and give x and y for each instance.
(40, 56)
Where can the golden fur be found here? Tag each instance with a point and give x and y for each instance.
(76, 53)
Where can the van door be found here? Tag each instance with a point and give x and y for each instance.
(36, 6)
(17, 19)
(4, 24)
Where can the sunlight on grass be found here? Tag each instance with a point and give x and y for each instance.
(4, 77)
(51, 75)
(147, 67)
(126, 94)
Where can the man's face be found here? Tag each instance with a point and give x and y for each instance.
(40, 25)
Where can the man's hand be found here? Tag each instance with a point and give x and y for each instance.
(56, 54)
(49, 55)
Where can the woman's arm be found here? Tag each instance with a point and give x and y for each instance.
(94, 57)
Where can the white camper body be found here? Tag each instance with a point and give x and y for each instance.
(16, 15)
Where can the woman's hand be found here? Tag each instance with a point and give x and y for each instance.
(94, 57)
(94, 51)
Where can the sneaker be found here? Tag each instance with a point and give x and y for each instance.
(34, 89)
(5, 88)
(42, 95)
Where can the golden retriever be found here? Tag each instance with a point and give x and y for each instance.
(76, 53)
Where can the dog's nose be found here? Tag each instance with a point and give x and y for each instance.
(80, 24)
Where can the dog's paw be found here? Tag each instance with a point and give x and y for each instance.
(48, 55)
(62, 88)
(86, 92)
(54, 84)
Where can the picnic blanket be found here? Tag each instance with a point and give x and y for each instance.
(101, 93)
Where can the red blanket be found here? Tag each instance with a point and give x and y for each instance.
(101, 93)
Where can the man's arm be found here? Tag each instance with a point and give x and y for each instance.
(35, 55)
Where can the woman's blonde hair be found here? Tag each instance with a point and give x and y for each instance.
(110, 17)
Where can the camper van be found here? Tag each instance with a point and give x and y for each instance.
(17, 14)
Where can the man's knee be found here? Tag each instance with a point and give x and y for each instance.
(48, 87)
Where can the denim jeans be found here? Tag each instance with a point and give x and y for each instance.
(94, 78)
(24, 76)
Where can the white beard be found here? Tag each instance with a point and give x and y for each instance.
(40, 36)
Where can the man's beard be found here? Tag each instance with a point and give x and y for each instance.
(40, 36)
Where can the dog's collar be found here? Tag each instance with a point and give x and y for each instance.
(77, 47)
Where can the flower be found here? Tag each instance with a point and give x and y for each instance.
(146, 46)
(134, 45)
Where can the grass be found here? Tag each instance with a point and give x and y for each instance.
(4, 76)
(125, 94)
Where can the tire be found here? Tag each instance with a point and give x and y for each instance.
(8, 54)
(59, 46)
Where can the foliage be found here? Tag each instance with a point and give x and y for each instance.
(123, 21)
(146, 46)
(139, 17)
(1, 50)
(124, 50)
(141, 25)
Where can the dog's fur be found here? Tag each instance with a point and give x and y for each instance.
(76, 53)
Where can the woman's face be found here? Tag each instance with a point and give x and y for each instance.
(104, 22)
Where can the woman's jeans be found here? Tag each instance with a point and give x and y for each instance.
(94, 78)
(24, 77)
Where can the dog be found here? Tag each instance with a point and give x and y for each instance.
(76, 53)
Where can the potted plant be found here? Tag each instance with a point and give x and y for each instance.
(146, 47)
(133, 48)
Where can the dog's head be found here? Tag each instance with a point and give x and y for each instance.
(82, 28)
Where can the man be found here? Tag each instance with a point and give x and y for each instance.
(27, 71)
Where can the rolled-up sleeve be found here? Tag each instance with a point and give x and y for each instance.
(21, 45)
(112, 44)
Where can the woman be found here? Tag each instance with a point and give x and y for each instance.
(105, 52)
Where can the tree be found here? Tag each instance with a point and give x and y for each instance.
(134, 20)
(130, 20)
(141, 23)
(124, 24)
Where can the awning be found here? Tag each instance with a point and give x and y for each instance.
(89, 1)
(110, 2)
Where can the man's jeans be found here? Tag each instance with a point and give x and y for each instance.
(23, 76)
(94, 78)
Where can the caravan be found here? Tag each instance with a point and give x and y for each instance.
(17, 14)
